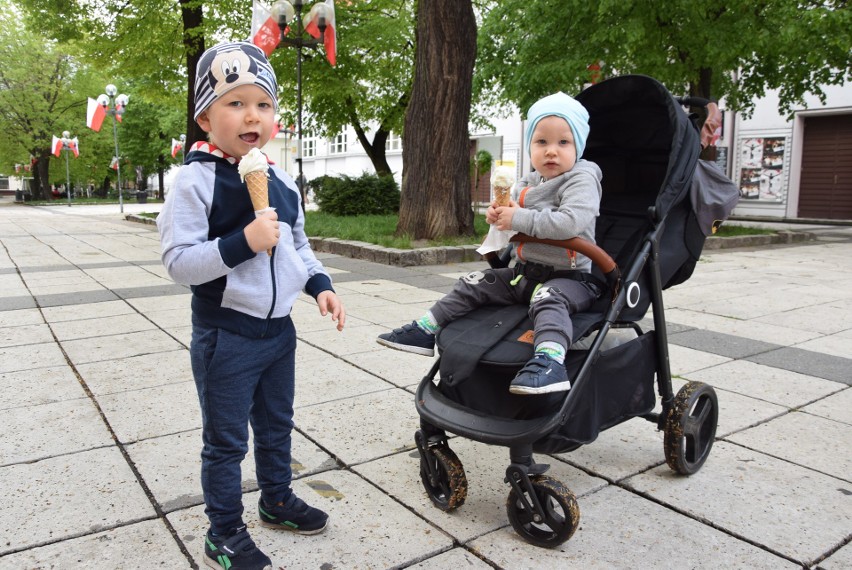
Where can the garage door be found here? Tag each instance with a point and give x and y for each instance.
(826, 186)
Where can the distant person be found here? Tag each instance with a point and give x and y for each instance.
(559, 200)
(243, 339)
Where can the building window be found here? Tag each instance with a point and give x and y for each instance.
(337, 145)
(309, 147)
(394, 142)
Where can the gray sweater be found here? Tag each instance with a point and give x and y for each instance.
(560, 208)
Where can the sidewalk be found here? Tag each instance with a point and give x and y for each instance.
(99, 454)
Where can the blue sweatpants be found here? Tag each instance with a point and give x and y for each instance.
(241, 380)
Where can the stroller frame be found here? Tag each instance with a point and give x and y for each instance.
(542, 510)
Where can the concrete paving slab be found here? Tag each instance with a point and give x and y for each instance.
(118, 346)
(364, 427)
(78, 297)
(136, 372)
(86, 311)
(39, 386)
(840, 560)
(807, 362)
(328, 380)
(837, 407)
(775, 385)
(455, 558)
(171, 318)
(364, 528)
(818, 443)
(24, 335)
(94, 490)
(161, 303)
(755, 330)
(102, 326)
(720, 343)
(399, 368)
(151, 412)
(37, 432)
(738, 412)
(823, 319)
(789, 510)
(30, 357)
(839, 344)
(485, 466)
(683, 360)
(117, 548)
(20, 317)
(346, 342)
(171, 466)
(620, 530)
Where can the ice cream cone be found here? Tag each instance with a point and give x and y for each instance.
(501, 195)
(258, 188)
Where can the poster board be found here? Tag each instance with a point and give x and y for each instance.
(762, 172)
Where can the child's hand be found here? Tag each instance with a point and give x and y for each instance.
(263, 233)
(491, 213)
(504, 215)
(328, 301)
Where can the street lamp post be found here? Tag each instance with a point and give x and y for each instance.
(285, 12)
(66, 146)
(114, 106)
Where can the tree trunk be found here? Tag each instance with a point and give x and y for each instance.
(193, 42)
(435, 197)
(41, 177)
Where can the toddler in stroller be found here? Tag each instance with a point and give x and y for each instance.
(557, 201)
(653, 221)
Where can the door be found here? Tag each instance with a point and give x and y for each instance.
(826, 183)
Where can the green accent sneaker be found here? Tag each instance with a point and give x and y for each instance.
(294, 515)
(236, 551)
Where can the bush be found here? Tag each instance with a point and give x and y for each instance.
(348, 196)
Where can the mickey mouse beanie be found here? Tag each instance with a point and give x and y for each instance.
(565, 106)
(229, 65)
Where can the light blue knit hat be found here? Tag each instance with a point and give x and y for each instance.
(565, 106)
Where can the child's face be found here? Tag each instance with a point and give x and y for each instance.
(239, 120)
(552, 150)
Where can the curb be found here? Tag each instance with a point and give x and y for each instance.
(464, 253)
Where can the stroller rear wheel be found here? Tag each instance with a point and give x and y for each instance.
(691, 427)
(561, 513)
(442, 475)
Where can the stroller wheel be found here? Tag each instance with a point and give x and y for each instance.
(443, 477)
(691, 427)
(561, 513)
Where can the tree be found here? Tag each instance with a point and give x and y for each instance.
(736, 49)
(435, 197)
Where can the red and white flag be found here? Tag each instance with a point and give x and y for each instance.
(56, 146)
(95, 114)
(114, 163)
(312, 27)
(176, 146)
(74, 148)
(265, 31)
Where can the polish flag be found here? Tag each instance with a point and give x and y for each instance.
(312, 27)
(176, 146)
(114, 163)
(56, 146)
(74, 148)
(265, 31)
(95, 114)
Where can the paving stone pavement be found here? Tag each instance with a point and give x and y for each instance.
(99, 454)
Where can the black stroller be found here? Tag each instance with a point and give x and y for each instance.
(647, 147)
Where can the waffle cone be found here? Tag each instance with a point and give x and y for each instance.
(258, 188)
(501, 195)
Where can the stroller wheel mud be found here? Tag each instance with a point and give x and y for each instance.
(562, 513)
(443, 477)
(691, 427)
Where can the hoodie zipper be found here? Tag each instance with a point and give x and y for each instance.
(274, 292)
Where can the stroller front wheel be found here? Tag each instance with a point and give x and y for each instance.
(691, 427)
(561, 513)
(443, 477)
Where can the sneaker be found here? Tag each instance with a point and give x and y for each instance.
(540, 375)
(294, 515)
(409, 338)
(237, 551)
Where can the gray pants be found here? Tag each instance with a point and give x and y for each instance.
(551, 306)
